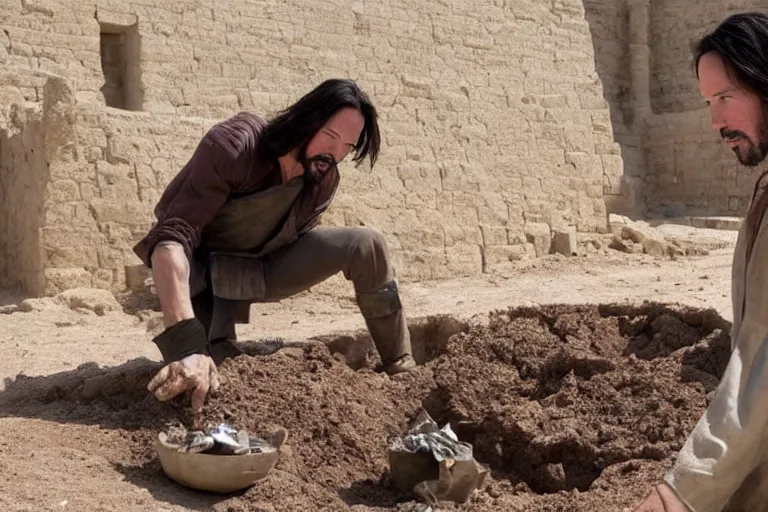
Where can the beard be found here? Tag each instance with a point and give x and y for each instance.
(316, 168)
(755, 152)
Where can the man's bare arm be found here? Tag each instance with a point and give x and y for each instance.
(195, 372)
(171, 270)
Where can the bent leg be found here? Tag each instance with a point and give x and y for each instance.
(361, 255)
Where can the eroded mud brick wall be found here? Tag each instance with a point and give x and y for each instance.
(22, 183)
(495, 127)
(611, 39)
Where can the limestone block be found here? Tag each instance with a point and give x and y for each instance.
(115, 20)
(617, 222)
(461, 235)
(91, 299)
(460, 260)
(110, 211)
(72, 256)
(494, 235)
(136, 277)
(103, 278)
(539, 234)
(637, 232)
(60, 279)
(624, 245)
(564, 242)
(724, 223)
(420, 263)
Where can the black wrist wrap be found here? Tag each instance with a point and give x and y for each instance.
(181, 340)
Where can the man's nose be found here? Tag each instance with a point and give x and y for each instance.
(718, 121)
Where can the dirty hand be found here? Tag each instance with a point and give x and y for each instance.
(196, 373)
(661, 499)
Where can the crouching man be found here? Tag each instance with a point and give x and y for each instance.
(239, 225)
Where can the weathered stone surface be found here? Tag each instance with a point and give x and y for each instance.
(91, 299)
(617, 222)
(36, 304)
(494, 123)
(502, 258)
(60, 279)
(540, 235)
(137, 277)
(636, 237)
(654, 247)
(724, 223)
(564, 242)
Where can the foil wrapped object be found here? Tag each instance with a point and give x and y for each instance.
(434, 464)
(221, 439)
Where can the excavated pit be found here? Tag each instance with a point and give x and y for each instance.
(572, 407)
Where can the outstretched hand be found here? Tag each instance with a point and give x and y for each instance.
(196, 373)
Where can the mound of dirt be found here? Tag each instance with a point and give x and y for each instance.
(572, 407)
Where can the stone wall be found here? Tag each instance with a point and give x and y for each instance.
(690, 171)
(495, 127)
(609, 25)
(22, 185)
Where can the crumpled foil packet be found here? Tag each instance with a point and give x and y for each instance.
(433, 464)
(221, 439)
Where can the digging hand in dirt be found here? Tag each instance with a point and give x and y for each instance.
(661, 499)
(196, 373)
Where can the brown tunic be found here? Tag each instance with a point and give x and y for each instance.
(225, 166)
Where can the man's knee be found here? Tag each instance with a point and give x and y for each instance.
(368, 260)
(368, 243)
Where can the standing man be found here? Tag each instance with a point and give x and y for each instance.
(239, 224)
(723, 464)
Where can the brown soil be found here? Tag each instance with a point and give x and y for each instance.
(576, 408)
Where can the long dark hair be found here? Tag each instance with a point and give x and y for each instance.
(293, 127)
(741, 40)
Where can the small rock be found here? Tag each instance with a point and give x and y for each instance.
(621, 245)
(29, 305)
(654, 247)
(615, 219)
(616, 223)
(7, 310)
(96, 300)
(632, 233)
(554, 476)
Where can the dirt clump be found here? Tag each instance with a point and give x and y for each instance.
(572, 407)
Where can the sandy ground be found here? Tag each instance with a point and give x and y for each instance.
(52, 461)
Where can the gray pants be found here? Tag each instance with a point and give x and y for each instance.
(359, 253)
